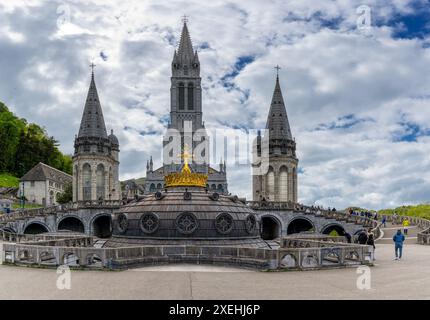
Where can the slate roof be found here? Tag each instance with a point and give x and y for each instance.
(277, 120)
(92, 123)
(43, 172)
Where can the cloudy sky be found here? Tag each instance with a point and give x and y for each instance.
(357, 95)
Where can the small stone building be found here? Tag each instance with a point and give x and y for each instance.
(42, 184)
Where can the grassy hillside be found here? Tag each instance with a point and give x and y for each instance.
(421, 210)
(7, 180)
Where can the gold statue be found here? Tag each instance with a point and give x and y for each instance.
(185, 178)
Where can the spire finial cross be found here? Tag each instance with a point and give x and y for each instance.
(92, 66)
(184, 18)
(277, 70)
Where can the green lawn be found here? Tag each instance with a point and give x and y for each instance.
(27, 206)
(421, 210)
(7, 180)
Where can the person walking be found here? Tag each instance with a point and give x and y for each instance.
(371, 242)
(398, 239)
(384, 221)
(405, 224)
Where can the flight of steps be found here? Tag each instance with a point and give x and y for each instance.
(391, 229)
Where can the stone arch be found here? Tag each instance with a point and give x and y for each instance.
(300, 224)
(24, 255)
(152, 187)
(86, 181)
(94, 260)
(101, 225)
(288, 261)
(270, 184)
(70, 259)
(220, 188)
(181, 96)
(283, 183)
(271, 227)
(9, 229)
(190, 96)
(100, 181)
(327, 229)
(110, 182)
(47, 257)
(213, 186)
(71, 223)
(36, 227)
(76, 178)
(159, 186)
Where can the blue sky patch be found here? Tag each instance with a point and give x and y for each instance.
(410, 132)
(343, 122)
(414, 25)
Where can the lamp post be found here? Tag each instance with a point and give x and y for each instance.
(22, 188)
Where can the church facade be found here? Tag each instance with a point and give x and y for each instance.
(186, 116)
(96, 157)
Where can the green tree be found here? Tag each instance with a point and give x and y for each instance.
(67, 195)
(24, 145)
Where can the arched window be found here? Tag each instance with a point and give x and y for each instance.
(213, 186)
(152, 187)
(76, 176)
(270, 184)
(283, 184)
(181, 96)
(159, 186)
(220, 188)
(86, 181)
(190, 96)
(100, 182)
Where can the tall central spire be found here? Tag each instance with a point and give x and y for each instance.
(185, 48)
(92, 123)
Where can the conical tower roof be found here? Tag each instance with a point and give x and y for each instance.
(92, 123)
(185, 49)
(277, 120)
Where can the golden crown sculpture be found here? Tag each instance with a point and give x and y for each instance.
(185, 178)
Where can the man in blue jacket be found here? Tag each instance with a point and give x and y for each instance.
(398, 239)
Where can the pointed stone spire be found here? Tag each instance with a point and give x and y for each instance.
(277, 120)
(185, 49)
(92, 123)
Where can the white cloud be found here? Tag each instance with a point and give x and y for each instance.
(329, 71)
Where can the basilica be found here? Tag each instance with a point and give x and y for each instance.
(96, 162)
(185, 212)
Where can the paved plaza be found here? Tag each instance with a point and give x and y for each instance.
(406, 279)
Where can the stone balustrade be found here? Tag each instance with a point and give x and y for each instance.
(46, 239)
(423, 237)
(299, 254)
(46, 211)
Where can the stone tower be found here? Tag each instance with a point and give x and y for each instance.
(279, 183)
(95, 161)
(185, 90)
(186, 113)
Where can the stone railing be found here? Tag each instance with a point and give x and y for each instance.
(46, 239)
(298, 255)
(316, 211)
(46, 211)
(423, 237)
(311, 254)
